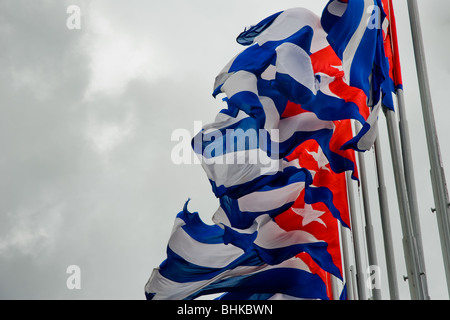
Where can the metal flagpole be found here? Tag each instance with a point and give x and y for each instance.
(354, 282)
(360, 279)
(409, 243)
(437, 171)
(347, 263)
(334, 287)
(411, 188)
(370, 237)
(386, 225)
(407, 155)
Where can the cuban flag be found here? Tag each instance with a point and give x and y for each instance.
(275, 157)
(320, 215)
(360, 33)
(391, 44)
(285, 259)
(200, 262)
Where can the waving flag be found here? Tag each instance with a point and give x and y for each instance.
(316, 214)
(391, 44)
(200, 262)
(357, 30)
(274, 156)
(315, 218)
(315, 284)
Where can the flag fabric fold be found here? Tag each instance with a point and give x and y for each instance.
(276, 157)
(199, 262)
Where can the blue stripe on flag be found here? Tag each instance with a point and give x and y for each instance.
(247, 37)
(293, 282)
(340, 29)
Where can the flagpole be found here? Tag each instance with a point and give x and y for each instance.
(406, 150)
(411, 188)
(409, 242)
(334, 287)
(370, 237)
(437, 171)
(386, 225)
(360, 279)
(354, 282)
(346, 263)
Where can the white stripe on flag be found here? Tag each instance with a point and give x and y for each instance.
(288, 23)
(167, 289)
(201, 253)
(337, 8)
(269, 200)
(303, 122)
(235, 168)
(295, 62)
(353, 45)
(240, 81)
(271, 236)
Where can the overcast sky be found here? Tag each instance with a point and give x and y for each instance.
(86, 118)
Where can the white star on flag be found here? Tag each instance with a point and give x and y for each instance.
(309, 215)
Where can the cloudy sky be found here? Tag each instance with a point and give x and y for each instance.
(86, 118)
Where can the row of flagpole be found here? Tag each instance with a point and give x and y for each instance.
(401, 157)
(437, 171)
